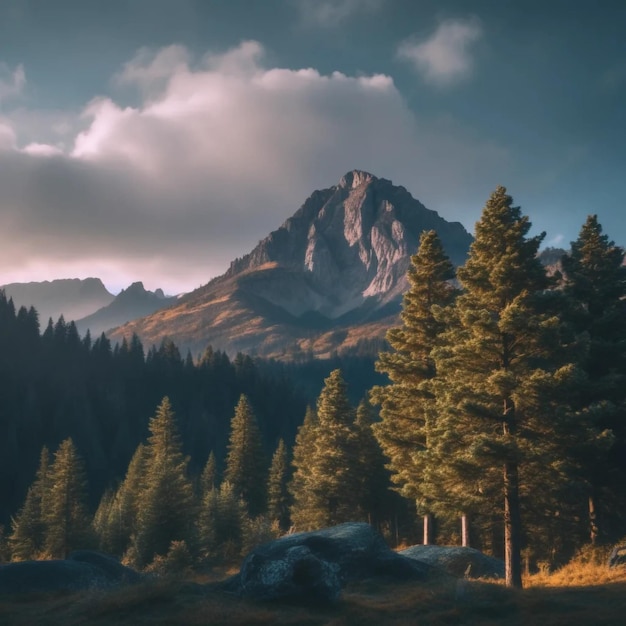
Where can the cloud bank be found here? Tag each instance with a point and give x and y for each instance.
(216, 154)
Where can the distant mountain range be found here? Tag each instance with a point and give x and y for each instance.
(71, 297)
(87, 302)
(128, 305)
(330, 277)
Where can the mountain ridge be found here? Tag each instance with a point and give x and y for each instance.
(71, 297)
(332, 271)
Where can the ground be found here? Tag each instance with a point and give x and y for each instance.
(584, 595)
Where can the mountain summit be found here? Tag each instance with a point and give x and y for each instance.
(339, 262)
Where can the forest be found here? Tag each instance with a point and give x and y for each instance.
(500, 399)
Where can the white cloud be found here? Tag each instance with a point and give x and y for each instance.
(445, 57)
(332, 13)
(12, 82)
(216, 155)
(42, 149)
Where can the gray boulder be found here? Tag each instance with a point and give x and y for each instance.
(458, 561)
(314, 566)
(83, 569)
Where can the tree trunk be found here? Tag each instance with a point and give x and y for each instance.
(428, 529)
(512, 527)
(465, 540)
(593, 520)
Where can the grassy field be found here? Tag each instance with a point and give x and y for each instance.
(578, 595)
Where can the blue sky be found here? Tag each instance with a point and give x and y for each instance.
(156, 140)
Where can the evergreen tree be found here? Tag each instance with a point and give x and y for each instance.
(278, 497)
(167, 509)
(65, 505)
(500, 418)
(596, 286)
(403, 429)
(115, 521)
(220, 523)
(245, 462)
(208, 480)
(328, 490)
(303, 452)
(26, 540)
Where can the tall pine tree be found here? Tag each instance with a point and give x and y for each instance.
(327, 489)
(26, 540)
(403, 429)
(245, 462)
(278, 497)
(167, 508)
(67, 521)
(596, 286)
(499, 414)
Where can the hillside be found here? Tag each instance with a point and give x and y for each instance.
(129, 304)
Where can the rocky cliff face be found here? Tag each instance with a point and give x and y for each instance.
(333, 271)
(352, 243)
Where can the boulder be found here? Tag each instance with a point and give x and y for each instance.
(314, 566)
(457, 561)
(82, 570)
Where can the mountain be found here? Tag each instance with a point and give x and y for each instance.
(128, 305)
(71, 297)
(330, 277)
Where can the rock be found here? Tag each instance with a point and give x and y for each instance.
(82, 570)
(114, 571)
(458, 561)
(314, 566)
(618, 556)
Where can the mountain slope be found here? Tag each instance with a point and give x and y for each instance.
(333, 272)
(72, 297)
(129, 304)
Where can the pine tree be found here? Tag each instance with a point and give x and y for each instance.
(116, 523)
(220, 523)
(26, 540)
(245, 462)
(65, 506)
(596, 286)
(328, 490)
(278, 497)
(303, 451)
(167, 509)
(208, 480)
(500, 417)
(403, 429)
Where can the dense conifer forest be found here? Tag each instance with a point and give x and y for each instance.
(500, 399)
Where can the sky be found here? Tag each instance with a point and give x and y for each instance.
(157, 140)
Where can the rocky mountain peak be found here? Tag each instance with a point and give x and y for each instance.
(332, 275)
(352, 242)
(356, 178)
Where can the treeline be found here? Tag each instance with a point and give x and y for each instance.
(55, 385)
(507, 402)
(162, 515)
